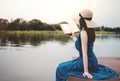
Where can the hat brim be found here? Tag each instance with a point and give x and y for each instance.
(91, 23)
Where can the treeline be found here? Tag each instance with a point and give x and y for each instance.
(35, 24)
(108, 29)
(21, 24)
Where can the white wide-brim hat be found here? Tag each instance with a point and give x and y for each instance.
(87, 14)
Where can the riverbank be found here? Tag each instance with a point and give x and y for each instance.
(104, 32)
(32, 32)
(112, 62)
(49, 32)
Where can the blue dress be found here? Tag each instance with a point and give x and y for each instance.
(75, 67)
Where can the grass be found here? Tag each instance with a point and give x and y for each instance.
(104, 32)
(32, 32)
(32, 37)
(46, 32)
(35, 37)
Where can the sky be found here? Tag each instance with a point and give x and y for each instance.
(105, 12)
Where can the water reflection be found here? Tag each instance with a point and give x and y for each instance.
(17, 40)
(38, 63)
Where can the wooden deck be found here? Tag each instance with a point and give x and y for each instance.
(114, 63)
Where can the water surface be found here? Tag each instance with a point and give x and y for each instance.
(38, 62)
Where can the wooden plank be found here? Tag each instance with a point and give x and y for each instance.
(112, 62)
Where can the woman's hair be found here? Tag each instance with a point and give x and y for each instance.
(90, 31)
(82, 21)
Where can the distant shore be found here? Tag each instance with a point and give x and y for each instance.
(51, 32)
(104, 32)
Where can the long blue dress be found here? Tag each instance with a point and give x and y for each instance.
(75, 67)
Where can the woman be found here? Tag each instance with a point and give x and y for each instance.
(86, 65)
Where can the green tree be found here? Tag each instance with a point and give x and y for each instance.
(15, 25)
(36, 24)
(3, 24)
(24, 25)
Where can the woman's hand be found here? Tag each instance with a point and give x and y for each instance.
(73, 37)
(88, 75)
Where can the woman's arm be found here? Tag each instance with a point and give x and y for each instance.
(84, 42)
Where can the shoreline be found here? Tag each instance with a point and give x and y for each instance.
(49, 31)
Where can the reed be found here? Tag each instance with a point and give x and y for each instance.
(32, 37)
(104, 32)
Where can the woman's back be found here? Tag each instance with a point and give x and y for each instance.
(92, 60)
(91, 39)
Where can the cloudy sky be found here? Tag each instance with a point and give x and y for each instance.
(106, 12)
